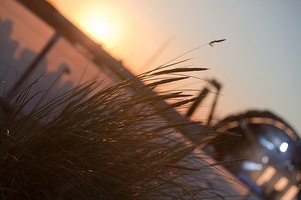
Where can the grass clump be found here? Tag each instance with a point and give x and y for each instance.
(87, 143)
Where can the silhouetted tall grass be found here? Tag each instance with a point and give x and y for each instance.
(99, 144)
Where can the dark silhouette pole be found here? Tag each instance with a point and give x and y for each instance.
(34, 64)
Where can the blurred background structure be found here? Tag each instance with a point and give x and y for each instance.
(259, 64)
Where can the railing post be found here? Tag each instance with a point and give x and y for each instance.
(34, 64)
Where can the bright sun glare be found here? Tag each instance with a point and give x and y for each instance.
(101, 27)
(103, 21)
(98, 28)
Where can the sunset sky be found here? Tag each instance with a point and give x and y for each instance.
(259, 64)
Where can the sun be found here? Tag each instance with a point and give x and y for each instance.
(101, 26)
(98, 27)
(105, 22)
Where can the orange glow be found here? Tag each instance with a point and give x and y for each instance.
(98, 27)
(103, 22)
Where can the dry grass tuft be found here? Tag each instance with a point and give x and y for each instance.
(90, 144)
